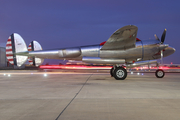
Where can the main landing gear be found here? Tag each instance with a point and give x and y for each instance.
(119, 73)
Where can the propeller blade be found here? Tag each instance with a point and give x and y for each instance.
(163, 36)
(156, 37)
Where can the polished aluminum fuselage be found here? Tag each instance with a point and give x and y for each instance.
(144, 50)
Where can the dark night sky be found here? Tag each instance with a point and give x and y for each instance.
(60, 23)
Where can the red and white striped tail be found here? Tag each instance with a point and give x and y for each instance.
(9, 52)
(30, 59)
(34, 46)
(15, 44)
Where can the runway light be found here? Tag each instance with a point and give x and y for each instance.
(31, 73)
(4, 74)
(9, 75)
(131, 72)
(142, 74)
(45, 75)
(137, 73)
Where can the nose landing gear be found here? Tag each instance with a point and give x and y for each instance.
(159, 73)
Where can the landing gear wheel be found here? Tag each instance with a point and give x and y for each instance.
(111, 71)
(160, 73)
(120, 73)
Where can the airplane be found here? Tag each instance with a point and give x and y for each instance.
(123, 50)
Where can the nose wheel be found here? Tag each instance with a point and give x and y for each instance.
(119, 73)
(160, 73)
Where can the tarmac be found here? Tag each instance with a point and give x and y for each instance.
(94, 95)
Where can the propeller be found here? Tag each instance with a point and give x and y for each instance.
(161, 42)
(162, 37)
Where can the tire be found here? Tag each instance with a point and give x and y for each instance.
(120, 73)
(160, 73)
(111, 71)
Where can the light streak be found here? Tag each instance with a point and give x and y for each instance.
(74, 67)
(51, 73)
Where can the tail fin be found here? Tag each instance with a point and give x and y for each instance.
(16, 44)
(34, 46)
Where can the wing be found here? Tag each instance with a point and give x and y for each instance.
(123, 38)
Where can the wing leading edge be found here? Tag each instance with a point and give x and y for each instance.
(123, 38)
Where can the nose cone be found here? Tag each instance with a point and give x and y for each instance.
(173, 49)
(168, 51)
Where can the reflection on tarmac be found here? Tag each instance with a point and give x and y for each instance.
(75, 95)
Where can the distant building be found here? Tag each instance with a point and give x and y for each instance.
(3, 59)
(4, 63)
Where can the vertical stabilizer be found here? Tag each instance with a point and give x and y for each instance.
(14, 45)
(34, 46)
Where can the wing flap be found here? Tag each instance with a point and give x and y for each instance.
(123, 38)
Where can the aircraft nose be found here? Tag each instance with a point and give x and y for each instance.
(170, 50)
(174, 49)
